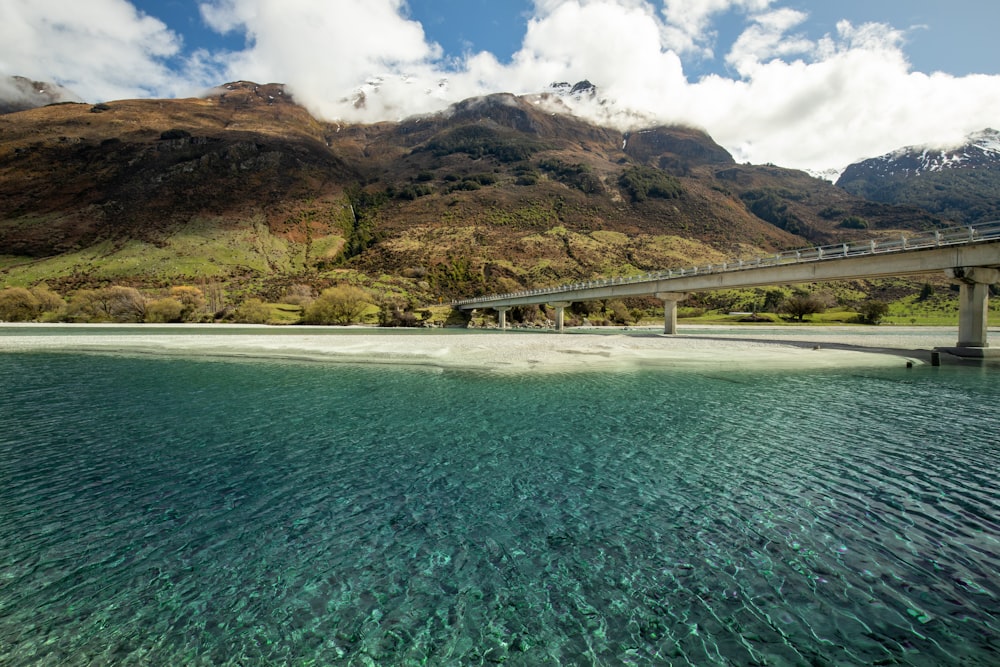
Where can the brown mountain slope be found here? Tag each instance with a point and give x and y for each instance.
(245, 187)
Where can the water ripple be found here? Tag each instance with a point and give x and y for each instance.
(178, 512)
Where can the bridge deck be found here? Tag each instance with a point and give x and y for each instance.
(970, 253)
(974, 246)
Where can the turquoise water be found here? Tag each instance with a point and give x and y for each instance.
(169, 512)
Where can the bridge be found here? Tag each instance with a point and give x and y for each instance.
(969, 256)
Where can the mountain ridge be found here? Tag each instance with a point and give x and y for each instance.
(495, 193)
(958, 182)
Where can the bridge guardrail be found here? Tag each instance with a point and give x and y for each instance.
(988, 231)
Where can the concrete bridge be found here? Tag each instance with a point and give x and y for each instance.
(969, 256)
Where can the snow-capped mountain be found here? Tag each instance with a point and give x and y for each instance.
(959, 183)
(981, 149)
(18, 93)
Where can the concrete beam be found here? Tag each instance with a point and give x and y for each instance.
(974, 275)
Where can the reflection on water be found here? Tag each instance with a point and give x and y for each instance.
(200, 512)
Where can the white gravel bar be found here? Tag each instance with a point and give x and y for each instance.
(717, 347)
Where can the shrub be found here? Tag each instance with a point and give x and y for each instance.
(252, 311)
(108, 304)
(577, 175)
(411, 192)
(338, 305)
(854, 222)
(48, 301)
(618, 312)
(799, 306)
(771, 207)
(164, 310)
(392, 315)
(17, 304)
(644, 182)
(167, 135)
(299, 295)
(872, 312)
(478, 141)
(191, 299)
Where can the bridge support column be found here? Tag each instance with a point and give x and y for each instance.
(502, 316)
(973, 303)
(670, 300)
(560, 307)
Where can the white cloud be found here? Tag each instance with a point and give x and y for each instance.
(326, 51)
(795, 100)
(767, 38)
(100, 49)
(689, 22)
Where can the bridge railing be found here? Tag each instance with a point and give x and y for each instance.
(988, 231)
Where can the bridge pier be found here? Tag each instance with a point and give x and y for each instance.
(973, 303)
(670, 300)
(560, 307)
(502, 316)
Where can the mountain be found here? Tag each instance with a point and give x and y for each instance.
(244, 187)
(959, 183)
(18, 93)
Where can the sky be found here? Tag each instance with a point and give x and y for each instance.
(809, 84)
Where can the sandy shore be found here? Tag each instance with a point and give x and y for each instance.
(730, 348)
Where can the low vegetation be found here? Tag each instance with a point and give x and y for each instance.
(338, 305)
(382, 305)
(642, 183)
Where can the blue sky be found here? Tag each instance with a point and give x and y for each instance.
(954, 36)
(803, 83)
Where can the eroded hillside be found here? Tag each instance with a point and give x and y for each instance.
(244, 187)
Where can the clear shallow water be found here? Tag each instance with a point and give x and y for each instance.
(164, 512)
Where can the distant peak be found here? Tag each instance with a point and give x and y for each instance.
(979, 150)
(249, 92)
(579, 89)
(18, 93)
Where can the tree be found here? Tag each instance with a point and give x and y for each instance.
(216, 297)
(872, 312)
(48, 301)
(167, 309)
(854, 222)
(191, 299)
(799, 306)
(299, 295)
(125, 304)
(253, 311)
(83, 307)
(17, 304)
(338, 305)
(108, 304)
(618, 312)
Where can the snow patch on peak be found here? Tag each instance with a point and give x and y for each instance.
(987, 140)
(977, 148)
